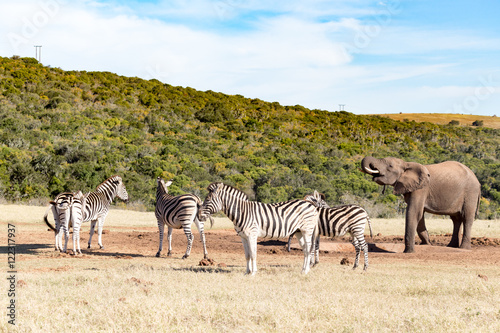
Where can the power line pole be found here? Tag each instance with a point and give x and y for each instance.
(38, 53)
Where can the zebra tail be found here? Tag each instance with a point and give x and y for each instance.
(211, 221)
(370, 226)
(46, 220)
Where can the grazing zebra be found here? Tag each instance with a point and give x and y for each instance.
(255, 219)
(97, 205)
(178, 212)
(61, 211)
(336, 221)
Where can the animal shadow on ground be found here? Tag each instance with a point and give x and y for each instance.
(26, 248)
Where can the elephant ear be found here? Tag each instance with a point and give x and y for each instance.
(414, 177)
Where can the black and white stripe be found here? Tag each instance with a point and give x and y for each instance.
(61, 210)
(255, 219)
(95, 209)
(337, 221)
(97, 204)
(177, 212)
(77, 219)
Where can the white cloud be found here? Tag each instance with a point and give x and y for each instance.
(297, 54)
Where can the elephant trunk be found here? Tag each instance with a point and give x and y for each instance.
(368, 166)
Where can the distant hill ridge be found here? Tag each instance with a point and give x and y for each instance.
(446, 118)
(70, 130)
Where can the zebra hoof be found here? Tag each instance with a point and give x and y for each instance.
(185, 256)
(101, 247)
(169, 254)
(88, 247)
(157, 254)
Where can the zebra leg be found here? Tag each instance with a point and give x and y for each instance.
(315, 253)
(305, 242)
(365, 252)
(76, 239)
(200, 226)
(357, 246)
(288, 245)
(246, 247)
(92, 226)
(100, 224)
(190, 237)
(169, 239)
(161, 228)
(65, 230)
(252, 243)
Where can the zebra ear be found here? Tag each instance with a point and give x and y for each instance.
(167, 184)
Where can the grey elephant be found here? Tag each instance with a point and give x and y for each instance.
(448, 188)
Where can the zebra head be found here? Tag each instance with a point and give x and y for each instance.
(213, 201)
(121, 191)
(317, 199)
(162, 186)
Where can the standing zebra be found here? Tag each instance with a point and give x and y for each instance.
(97, 205)
(255, 219)
(60, 206)
(336, 221)
(177, 212)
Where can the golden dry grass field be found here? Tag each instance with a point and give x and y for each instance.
(125, 288)
(445, 118)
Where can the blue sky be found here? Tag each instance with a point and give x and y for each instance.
(372, 56)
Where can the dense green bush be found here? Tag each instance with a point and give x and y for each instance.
(67, 130)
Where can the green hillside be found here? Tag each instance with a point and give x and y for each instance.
(67, 130)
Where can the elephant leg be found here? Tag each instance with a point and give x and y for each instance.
(414, 214)
(422, 232)
(468, 219)
(457, 223)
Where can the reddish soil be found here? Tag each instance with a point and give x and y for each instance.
(226, 245)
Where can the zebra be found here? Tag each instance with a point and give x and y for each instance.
(336, 221)
(60, 206)
(97, 205)
(253, 219)
(178, 212)
(77, 219)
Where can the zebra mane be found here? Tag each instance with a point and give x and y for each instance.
(228, 188)
(111, 180)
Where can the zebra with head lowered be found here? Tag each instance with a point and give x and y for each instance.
(336, 221)
(253, 219)
(177, 212)
(97, 203)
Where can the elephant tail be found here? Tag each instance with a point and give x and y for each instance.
(477, 206)
(370, 226)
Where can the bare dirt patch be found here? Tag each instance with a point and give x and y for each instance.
(225, 245)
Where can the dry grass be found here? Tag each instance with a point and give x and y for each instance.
(444, 118)
(103, 294)
(152, 296)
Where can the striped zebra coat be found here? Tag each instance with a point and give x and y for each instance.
(96, 206)
(255, 219)
(177, 212)
(337, 221)
(61, 210)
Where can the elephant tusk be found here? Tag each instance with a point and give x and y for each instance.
(371, 171)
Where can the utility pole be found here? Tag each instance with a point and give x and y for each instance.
(38, 53)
